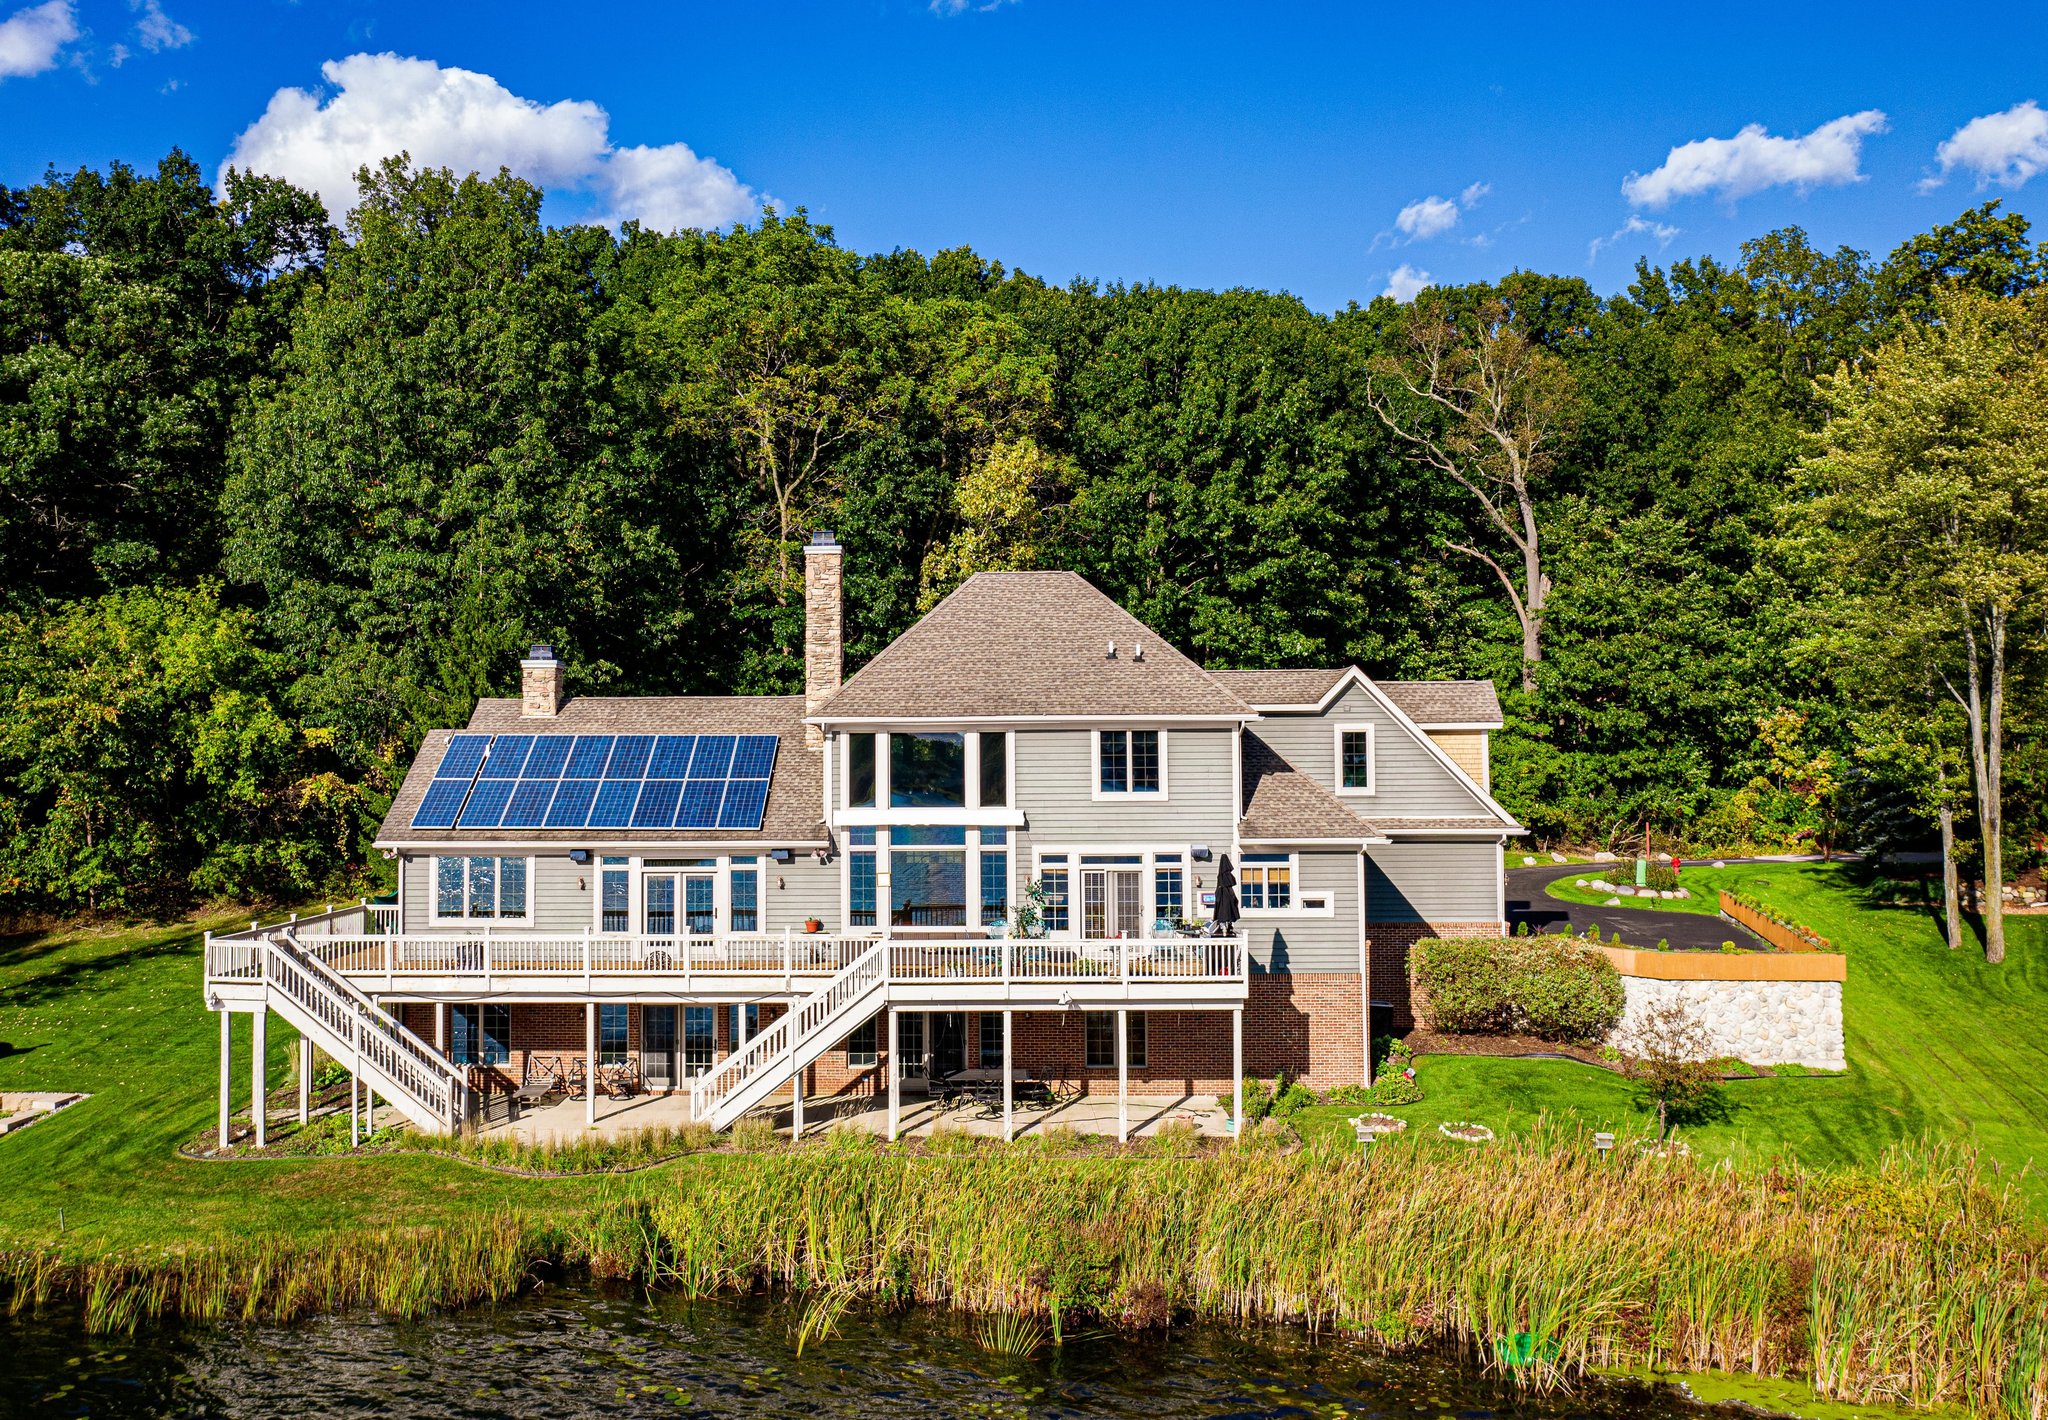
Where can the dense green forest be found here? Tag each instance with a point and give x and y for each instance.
(277, 497)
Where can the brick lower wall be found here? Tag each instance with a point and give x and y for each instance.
(1303, 1024)
(1387, 958)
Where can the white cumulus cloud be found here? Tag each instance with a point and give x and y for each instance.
(1430, 217)
(30, 39)
(1636, 225)
(1404, 281)
(2007, 148)
(156, 30)
(1754, 159)
(381, 104)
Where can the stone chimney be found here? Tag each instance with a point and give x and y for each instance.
(540, 683)
(824, 637)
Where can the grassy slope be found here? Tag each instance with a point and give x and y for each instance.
(118, 1014)
(1938, 1042)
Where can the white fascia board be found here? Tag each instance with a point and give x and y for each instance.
(1313, 842)
(969, 722)
(1507, 830)
(597, 845)
(1461, 724)
(937, 818)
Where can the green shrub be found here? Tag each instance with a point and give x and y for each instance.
(1550, 987)
(1394, 1089)
(1661, 876)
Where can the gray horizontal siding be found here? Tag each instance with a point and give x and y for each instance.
(1056, 782)
(554, 897)
(1410, 781)
(1449, 881)
(797, 890)
(1313, 944)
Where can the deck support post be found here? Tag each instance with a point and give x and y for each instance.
(355, 1089)
(441, 1027)
(796, 1106)
(1237, 1073)
(1009, 1090)
(259, 1091)
(305, 1079)
(1123, 1076)
(890, 1065)
(369, 1110)
(227, 1070)
(590, 1065)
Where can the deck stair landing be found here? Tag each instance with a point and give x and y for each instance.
(420, 1082)
(773, 1058)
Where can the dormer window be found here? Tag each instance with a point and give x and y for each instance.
(1129, 763)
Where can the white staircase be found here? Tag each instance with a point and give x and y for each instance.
(417, 1079)
(804, 1032)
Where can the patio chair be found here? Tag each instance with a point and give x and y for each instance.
(944, 1092)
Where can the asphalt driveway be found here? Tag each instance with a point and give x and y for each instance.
(1634, 926)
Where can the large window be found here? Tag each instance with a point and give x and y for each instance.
(910, 1044)
(860, 771)
(1355, 759)
(928, 876)
(746, 895)
(481, 889)
(1130, 762)
(995, 768)
(1169, 903)
(611, 1035)
(1265, 882)
(860, 877)
(1052, 876)
(615, 896)
(995, 876)
(991, 1031)
(479, 1035)
(1102, 1039)
(927, 771)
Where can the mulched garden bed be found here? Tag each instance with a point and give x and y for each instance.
(1523, 1047)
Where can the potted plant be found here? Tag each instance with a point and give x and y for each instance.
(812, 924)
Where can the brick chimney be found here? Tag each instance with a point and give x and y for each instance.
(824, 637)
(540, 683)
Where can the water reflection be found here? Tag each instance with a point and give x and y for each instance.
(587, 1353)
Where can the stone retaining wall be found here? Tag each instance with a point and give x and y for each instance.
(1760, 1022)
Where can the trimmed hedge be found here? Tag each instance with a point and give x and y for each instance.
(1553, 988)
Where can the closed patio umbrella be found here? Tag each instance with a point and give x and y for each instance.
(1226, 894)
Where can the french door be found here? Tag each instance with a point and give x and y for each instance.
(1112, 902)
(658, 1046)
(680, 903)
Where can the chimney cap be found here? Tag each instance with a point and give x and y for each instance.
(540, 653)
(824, 540)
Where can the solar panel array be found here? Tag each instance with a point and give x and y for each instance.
(600, 781)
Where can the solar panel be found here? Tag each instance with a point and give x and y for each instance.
(486, 804)
(443, 800)
(671, 757)
(614, 805)
(465, 753)
(507, 757)
(600, 781)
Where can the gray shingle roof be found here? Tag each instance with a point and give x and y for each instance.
(1280, 687)
(1426, 702)
(1282, 804)
(1444, 702)
(1029, 643)
(795, 794)
(1421, 825)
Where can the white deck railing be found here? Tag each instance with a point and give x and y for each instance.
(339, 941)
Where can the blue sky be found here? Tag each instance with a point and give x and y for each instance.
(1204, 145)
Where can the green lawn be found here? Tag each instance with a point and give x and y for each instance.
(1939, 1043)
(118, 1014)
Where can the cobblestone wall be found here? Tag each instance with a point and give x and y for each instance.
(1760, 1022)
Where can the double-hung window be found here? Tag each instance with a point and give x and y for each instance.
(1130, 763)
(746, 894)
(1052, 878)
(860, 877)
(482, 889)
(1355, 768)
(990, 1027)
(479, 1035)
(1265, 882)
(615, 895)
(1169, 898)
(611, 1034)
(995, 876)
(860, 1045)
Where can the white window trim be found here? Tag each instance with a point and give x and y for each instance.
(465, 920)
(1148, 855)
(1372, 756)
(1123, 796)
(1296, 895)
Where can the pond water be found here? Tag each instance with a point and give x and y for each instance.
(585, 1352)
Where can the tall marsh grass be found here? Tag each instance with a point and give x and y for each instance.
(1914, 1283)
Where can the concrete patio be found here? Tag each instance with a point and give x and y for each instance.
(564, 1119)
